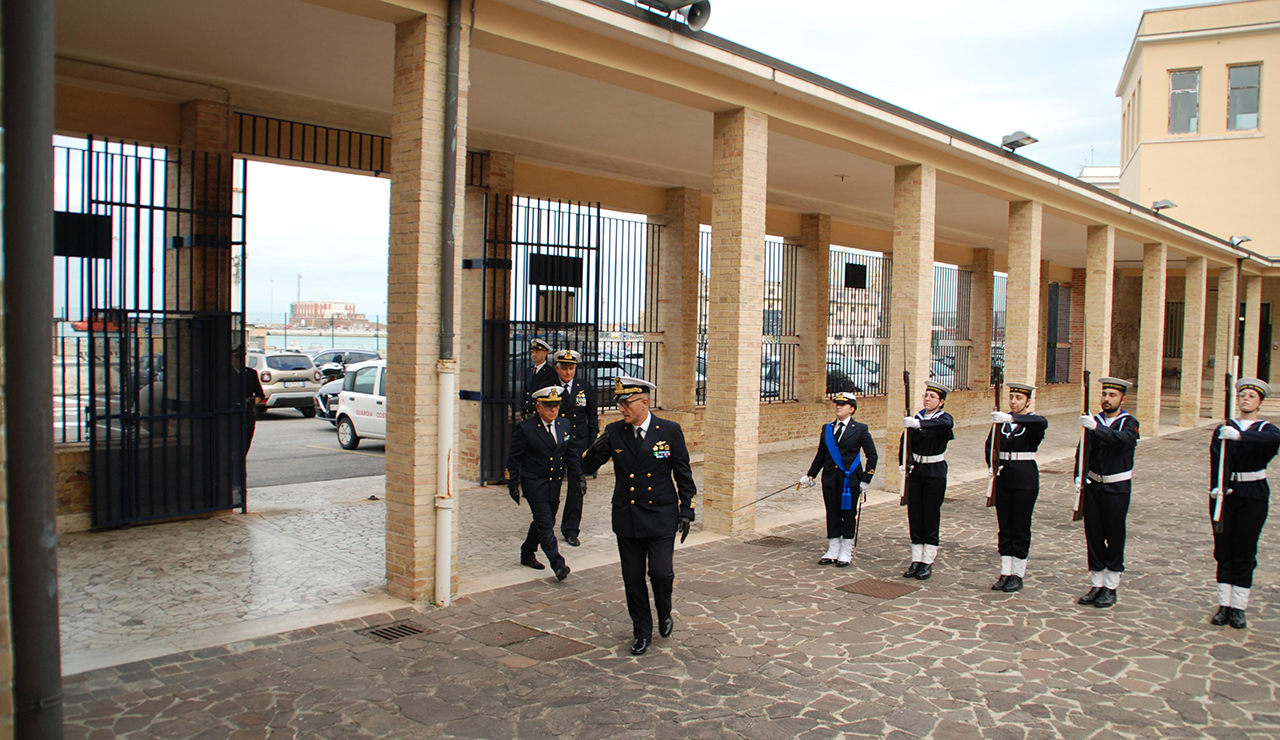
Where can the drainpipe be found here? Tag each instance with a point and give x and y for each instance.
(28, 386)
(446, 365)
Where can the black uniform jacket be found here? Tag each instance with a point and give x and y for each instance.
(930, 439)
(653, 486)
(856, 438)
(579, 407)
(1111, 449)
(540, 462)
(536, 380)
(1024, 435)
(1252, 453)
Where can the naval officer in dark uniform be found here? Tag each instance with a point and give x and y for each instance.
(843, 444)
(538, 374)
(543, 451)
(930, 429)
(1017, 482)
(1251, 443)
(652, 502)
(1113, 438)
(578, 405)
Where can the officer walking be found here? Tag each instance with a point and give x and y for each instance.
(578, 406)
(1108, 481)
(1250, 443)
(652, 501)
(930, 429)
(1017, 482)
(841, 447)
(538, 374)
(543, 450)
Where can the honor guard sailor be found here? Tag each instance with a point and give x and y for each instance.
(538, 374)
(652, 502)
(1017, 483)
(1107, 483)
(578, 405)
(930, 429)
(847, 458)
(543, 451)
(1250, 443)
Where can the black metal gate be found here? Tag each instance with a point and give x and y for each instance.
(150, 296)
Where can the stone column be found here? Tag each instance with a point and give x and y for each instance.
(198, 178)
(1076, 332)
(914, 204)
(678, 300)
(1252, 326)
(739, 172)
(1042, 336)
(980, 308)
(1228, 326)
(1151, 338)
(1193, 341)
(813, 275)
(1022, 337)
(1100, 257)
(413, 300)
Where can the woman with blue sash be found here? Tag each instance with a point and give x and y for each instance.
(847, 458)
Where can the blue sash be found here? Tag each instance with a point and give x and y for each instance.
(829, 436)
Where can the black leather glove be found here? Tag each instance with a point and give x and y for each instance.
(600, 447)
(513, 487)
(582, 485)
(684, 528)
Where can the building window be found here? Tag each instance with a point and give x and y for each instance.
(1184, 102)
(1243, 98)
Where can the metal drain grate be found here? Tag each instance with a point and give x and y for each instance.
(549, 647)
(394, 632)
(501, 634)
(878, 589)
(772, 541)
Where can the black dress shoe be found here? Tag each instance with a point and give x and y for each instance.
(571, 541)
(826, 561)
(532, 563)
(999, 584)
(1236, 619)
(913, 570)
(1219, 619)
(563, 573)
(1091, 596)
(926, 570)
(666, 626)
(1013, 584)
(842, 564)
(1106, 599)
(640, 646)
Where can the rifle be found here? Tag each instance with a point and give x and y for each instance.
(1224, 467)
(1082, 455)
(995, 443)
(906, 434)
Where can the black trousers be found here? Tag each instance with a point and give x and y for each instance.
(924, 509)
(657, 553)
(542, 530)
(1104, 528)
(1236, 546)
(571, 520)
(1014, 507)
(841, 523)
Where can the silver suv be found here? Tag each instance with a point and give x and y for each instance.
(289, 380)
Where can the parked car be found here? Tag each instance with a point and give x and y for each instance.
(940, 372)
(864, 373)
(838, 381)
(289, 380)
(606, 372)
(333, 362)
(362, 404)
(326, 401)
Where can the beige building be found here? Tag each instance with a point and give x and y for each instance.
(1198, 94)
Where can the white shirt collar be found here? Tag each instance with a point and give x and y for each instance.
(648, 419)
(1245, 424)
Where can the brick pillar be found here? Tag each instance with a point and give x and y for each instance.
(198, 255)
(1042, 336)
(812, 304)
(1100, 257)
(413, 300)
(980, 307)
(1077, 323)
(1252, 326)
(739, 172)
(1224, 344)
(1193, 341)
(1022, 338)
(678, 301)
(914, 204)
(1151, 339)
(477, 304)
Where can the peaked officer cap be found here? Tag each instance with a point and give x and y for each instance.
(625, 387)
(550, 394)
(539, 344)
(567, 356)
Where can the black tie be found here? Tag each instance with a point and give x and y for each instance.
(839, 431)
(639, 433)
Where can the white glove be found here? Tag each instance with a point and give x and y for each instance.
(864, 485)
(1088, 422)
(1215, 493)
(1229, 433)
(1077, 482)
(1000, 417)
(807, 481)
(910, 422)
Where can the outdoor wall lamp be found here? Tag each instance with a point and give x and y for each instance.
(1017, 140)
(1160, 205)
(1238, 240)
(695, 14)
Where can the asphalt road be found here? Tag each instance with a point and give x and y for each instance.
(290, 449)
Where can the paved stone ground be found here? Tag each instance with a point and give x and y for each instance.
(768, 646)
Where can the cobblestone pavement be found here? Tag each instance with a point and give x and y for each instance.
(767, 645)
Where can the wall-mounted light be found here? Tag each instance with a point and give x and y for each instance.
(1160, 205)
(1238, 240)
(1017, 140)
(695, 14)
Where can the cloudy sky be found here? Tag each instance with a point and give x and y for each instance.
(986, 67)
